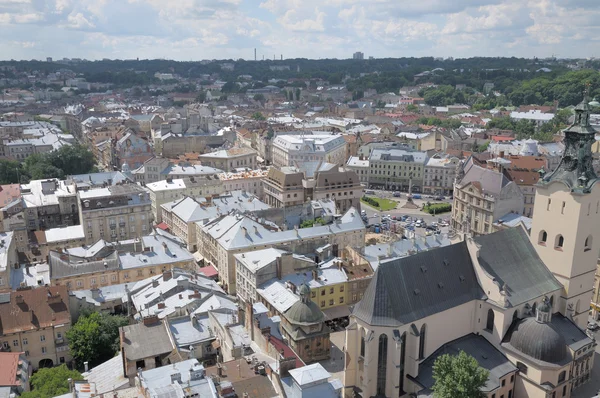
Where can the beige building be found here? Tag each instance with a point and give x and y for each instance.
(36, 321)
(229, 160)
(8, 258)
(397, 169)
(114, 213)
(495, 296)
(439, 175)
(250, 181)
(221, 238)
(168, 190)
(360, 166)
(291, 186)
(292, 150)
(49, 203)
(595, 305)
(481, 197)
(128, 261)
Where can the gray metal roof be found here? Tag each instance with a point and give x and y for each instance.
(509, 257)
(539, 340)
(479, 348)
(410, 288)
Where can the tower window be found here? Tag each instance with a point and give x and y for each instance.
(490, 321)
(562, 210)
(543, 237)
(588, 244)
(549, 202)
(422, 341)
(559, 242)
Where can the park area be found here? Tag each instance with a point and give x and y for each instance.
(380, 204)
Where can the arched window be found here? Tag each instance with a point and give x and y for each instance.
(422, 341)
(588, 244)
(402, 357)
(543, 237)
(515, 315)
(489, 326)
(362, 346)
(551, 301)
(559, 241)
(382, 365)
(534, 308)
(562, 376)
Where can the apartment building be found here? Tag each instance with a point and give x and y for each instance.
(249, 181)
(168, 190)
(8, 258)
(439, 175)
(397, 169)
(221, 238)
(117, 212)
(291, 150)
(360, 166)
(159, 169)
(127, 261)
(481, 197)
(182, 215)
(49, 203)
(35, 322)
(229, 160)
(291, 186)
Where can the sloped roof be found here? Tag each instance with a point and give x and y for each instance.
(509, 257)
(410, 288)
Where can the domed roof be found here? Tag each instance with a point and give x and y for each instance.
(304, 290)
(539, 340)
(304, 313)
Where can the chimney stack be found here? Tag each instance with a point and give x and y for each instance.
(315, 274)
(19, 299)
(167, 275)
(150, 320)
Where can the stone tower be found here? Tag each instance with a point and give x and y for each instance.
(566, 222)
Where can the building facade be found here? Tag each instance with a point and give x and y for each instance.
(397, 169)
(291, 150)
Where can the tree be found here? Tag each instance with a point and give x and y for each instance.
(95, 337)
(10, 171)
(201, 97)
(411, 108)
(259, 97)
(258, 116)
(298, 94)
(50, 382)
(458, 376)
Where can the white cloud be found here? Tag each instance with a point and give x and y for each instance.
(78, 21)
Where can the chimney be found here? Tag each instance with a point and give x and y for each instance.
(278, 266)
(256, 230)
(95, 294)
(86, 366)
(315, 274)
(154, 282)
(19, 299)
(501, 154)
(167, 275)
(150, 320)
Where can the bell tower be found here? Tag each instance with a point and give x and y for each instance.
(566, 220)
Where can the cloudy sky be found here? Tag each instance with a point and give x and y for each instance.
(207, 29)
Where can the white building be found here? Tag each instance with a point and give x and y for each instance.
(360, 166)
(250, 181)
(440, 171)
(289, 150)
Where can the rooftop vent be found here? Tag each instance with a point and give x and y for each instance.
(417, 292)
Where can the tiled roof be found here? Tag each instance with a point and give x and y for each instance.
(34, 309)
(9, 364)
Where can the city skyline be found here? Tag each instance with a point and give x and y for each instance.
(222, 29)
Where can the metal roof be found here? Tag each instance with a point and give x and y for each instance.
(509, 257)
(414, 287)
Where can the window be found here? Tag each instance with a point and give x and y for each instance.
(522, 367)
(79, 283)
(313, 294)
(25, 341)
(512, 378)
(543, 237)
(341, 288)
(322, 292)
(562, 209)
(362, 346)
(341, 300)
(509, 393)
(26, 353)
(62, 359)
(559, 242)
(331, 302)
(548, 206)
(43, 350)
(15, 343)
(422, 341)
(503, 382)
(564, 394)
(588, 244)
(382, 365)
(489, 326)
(322, 303)
(330, 290)
(59, 335)
(562, 376)
(42, 338)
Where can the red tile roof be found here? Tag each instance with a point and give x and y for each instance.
(9, 364)
(163, 226)
(209, 271)
(34, 309)
(287, 351)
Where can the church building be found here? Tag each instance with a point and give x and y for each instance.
(517, 302)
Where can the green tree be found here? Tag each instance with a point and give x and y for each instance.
(298, 94)
(259, 97)
(258, 116)
(201, 97)
(458, 376)
(50, 382)
(73, 159)
(10, 171)
(95, 337)
(412, 108)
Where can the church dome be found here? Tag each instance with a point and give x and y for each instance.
(304, 312)
(539, 340)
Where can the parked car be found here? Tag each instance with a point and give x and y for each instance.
(592, 326)
(397, 194)
(369, 192)
(439, 198)
(417, 196)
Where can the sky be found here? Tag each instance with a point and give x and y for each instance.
(231, 29)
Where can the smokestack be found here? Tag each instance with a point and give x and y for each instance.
(282, 57)
(255, 54)
(86, 366)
